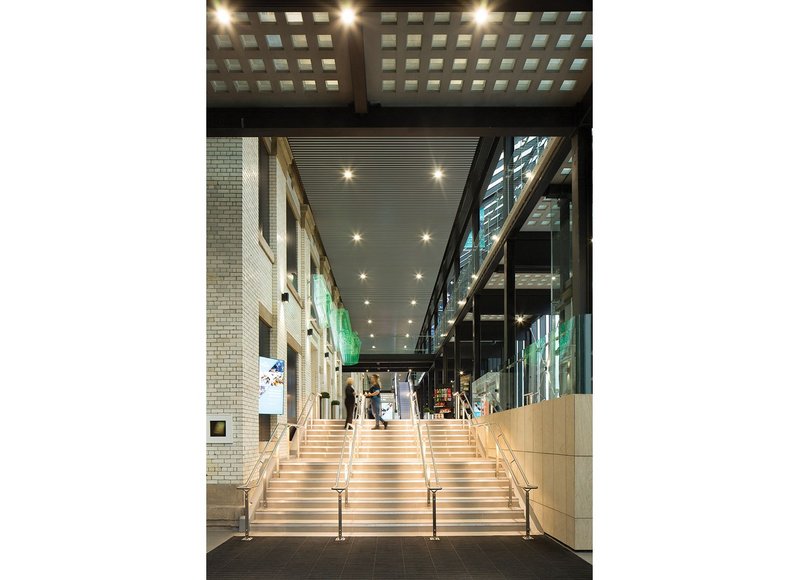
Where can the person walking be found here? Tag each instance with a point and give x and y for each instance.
(349, 402)
(374, 395)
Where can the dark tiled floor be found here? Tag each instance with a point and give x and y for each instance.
(461, 558)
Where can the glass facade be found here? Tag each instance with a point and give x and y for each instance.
(552, 352)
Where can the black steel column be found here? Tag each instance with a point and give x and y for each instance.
(508, 167)
(475, 338)
(582, 295)
(564, 243)
(582, 199)
(509, 336)
(445, 373)
(457, 360)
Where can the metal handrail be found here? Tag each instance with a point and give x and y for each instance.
(512, 479)
(353, 449)
(265, 459)
(305, 414)
(260, 468)
(430, 488)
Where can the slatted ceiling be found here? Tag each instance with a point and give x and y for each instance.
(391, 200)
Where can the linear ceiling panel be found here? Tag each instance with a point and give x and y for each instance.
(392, 199)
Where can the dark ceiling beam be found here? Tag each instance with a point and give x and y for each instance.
(403, 5)
(358, 69)
(391, 362)
(389, 121)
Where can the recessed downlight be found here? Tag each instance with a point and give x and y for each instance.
(481, 15)
(438, 174)
(356, 237)
(369, 321)
(413, 302)
(348, 17)
(366, 302)
(362, 276)
(418, 276)
(223, 16)
(410, 322)
(348, 174)
(407, 335)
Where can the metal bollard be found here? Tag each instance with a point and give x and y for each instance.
(340, 538)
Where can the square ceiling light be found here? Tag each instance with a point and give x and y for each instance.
(575, 17)
(433, 85)
(274, 41)
(309, 86)
(545, 85)
(264, 86)
(411, 65)
(389, 65)
(287, 86)
(439, 41)
(500, 85)
(413, 41)
(388, 17)
(248, 41)
(565, 41)
(241, 86)
(568, 86)
(549, 17)
(489, 41)
(464, 41)
(232, 65)
(329, 64)
(588, 41)
(436, 64)
(389, 85)
(554, 64)
(456, 85)
(257, 65)
(294, 18)
(388, 41)
(267, 17)
(578, 64)
(540, 41)
(507, 64)
(321, 17)
(530, 64)
(304, 65)
(415, 17)
(223, 41)
(324, 40)
(210, 65)
(331, 86)
(522, 85)
(459, 64)
(411, 85)
(514, 41)
(299, 41)
(441, 18)
(478, 85)
(280, 64)
(219, 86)
(523, 17)
(483, 64)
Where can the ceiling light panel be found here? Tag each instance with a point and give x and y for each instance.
(304, 65)
(324, 41)
(321, 17)
(329, 64)
(388, 41)
(388, 17)
(441, 18)
(436, 64)
(248, 41)
(514, 41)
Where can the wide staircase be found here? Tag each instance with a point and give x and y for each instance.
(387, 491)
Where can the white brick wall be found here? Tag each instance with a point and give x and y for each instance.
(240, 277)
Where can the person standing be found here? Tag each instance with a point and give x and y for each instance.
(374, 395)
(349, 402)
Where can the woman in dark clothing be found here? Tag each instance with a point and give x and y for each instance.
(349, 402)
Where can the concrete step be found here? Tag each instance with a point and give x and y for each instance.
(310, 490)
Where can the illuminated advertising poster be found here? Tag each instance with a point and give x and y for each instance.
(271, 386)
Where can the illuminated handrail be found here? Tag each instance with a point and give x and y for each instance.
(508, 465)
(260, 469)
(351, 442)
(431, 489)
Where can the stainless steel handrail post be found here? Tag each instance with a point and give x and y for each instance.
(247, 515)
(351, 437)
(527, 535)
(435, 534)
(340, 537)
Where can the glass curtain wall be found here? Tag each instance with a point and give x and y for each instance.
(553, 350)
